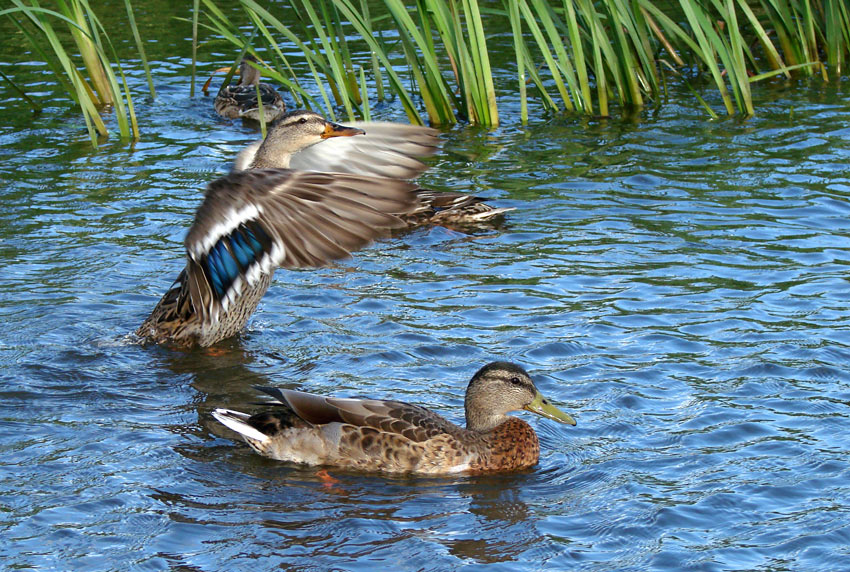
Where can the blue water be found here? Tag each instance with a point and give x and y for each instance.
(678, 285)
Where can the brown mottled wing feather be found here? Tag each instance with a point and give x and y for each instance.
(312, 408)
(388, 150)
(302, 219)
(410, 421)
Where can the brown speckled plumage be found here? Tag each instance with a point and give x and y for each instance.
(511, 445)
(396, 437)
(240, 100)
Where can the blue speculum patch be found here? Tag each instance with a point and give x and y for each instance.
(234, 254)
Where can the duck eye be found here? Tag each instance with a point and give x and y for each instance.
(516, 381)
(302, 120)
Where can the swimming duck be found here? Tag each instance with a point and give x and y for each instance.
(254, 221)
(383, 149)
(396, 437)
(240, 100)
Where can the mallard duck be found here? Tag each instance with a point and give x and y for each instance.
(396, 437)
(383, 149)
(240, 100)
(254, 221)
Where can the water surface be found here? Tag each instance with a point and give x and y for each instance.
(679, 285)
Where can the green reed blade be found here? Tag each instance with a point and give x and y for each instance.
(430, 77)
(298, 90)
(699, 24)
(545, 14)
(782, 71)
(141, 47)
(131, 109)
(196, 9)
(434, 110)
(338, 39)
(313, 59)
(333, 58)
(605, 57)
(519, 54)
(323, 59)
(261, 111)
(631, 95)
(636, 43)
(103, 63)
(543, 47)
(661, 37)
(536, 80)
(599, 43)
(84, 94)
(487, 91)
(379, 79)
(356, 20)
(82, 35)
(771, 52)
(669, 25)
(737, 46)
(35, 106)
(445, 19)
(364, 96)
(577, 46)
(701, 101)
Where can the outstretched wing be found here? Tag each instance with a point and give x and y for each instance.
(252, 222)
(411, 421)
(388, 150)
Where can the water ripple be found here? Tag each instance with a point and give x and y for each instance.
(678, 285)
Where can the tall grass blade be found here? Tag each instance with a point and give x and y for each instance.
(519, 52)
(700, 24)
(543, 46)
(141, 47)
(577, 46)
(486, 97)
(261, 111)
(364, 96)
(83, 37)
(356, 20)
(82, 92)
(427, 71)
(260, 15)
(35, 106)
(104, 66)
(586, 51)
(196, 8)
(545, 14)
(335, 59)
(772, 54)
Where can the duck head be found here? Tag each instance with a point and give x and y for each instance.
(500, 387)
(293, 132)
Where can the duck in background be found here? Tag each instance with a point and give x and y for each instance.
(240, 100)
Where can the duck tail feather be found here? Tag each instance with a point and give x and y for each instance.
(238, 422)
